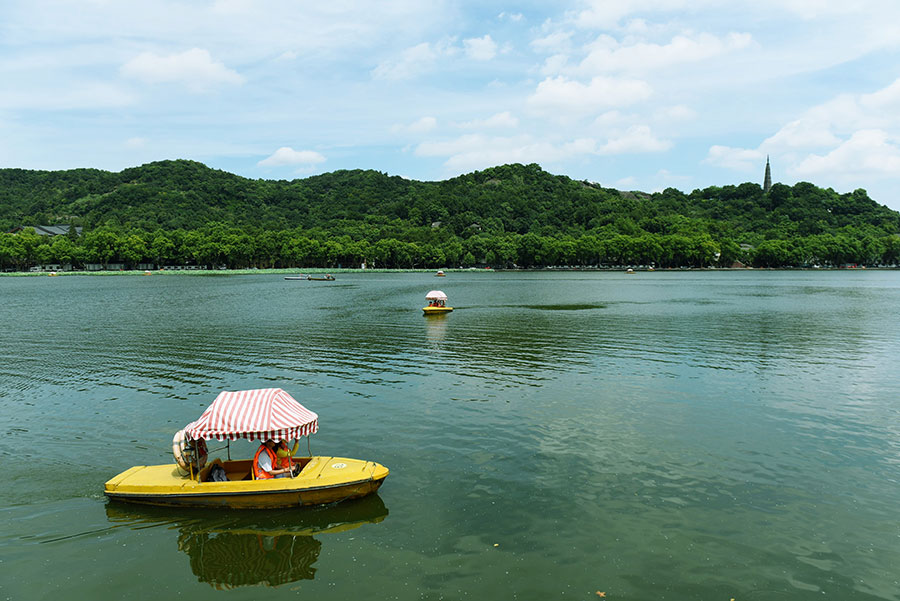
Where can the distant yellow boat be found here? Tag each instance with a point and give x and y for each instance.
(436, 310)
(440, 274)
(437, 303)
(265, 414)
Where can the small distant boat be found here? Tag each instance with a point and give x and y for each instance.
(437, 303)
(315, 278)
(440, 274)
(629, 270)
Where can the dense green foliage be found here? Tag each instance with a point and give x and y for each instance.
(181, 212)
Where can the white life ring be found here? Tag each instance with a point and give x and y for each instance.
(183, 450)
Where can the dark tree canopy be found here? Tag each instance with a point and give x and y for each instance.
(171, 211)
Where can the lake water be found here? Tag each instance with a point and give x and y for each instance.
(687, 435)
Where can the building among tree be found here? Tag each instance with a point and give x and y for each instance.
(46, 230)
(767, 182)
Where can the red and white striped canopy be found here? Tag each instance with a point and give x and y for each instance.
(255, 414)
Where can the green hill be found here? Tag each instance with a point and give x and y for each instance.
(503, 215)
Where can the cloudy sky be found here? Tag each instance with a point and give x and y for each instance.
(634, 94)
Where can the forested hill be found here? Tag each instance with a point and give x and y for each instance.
(511, 198)
(510, 202)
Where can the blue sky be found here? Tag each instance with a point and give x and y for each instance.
(633, 94)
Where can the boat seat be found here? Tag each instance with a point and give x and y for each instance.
(203, 476)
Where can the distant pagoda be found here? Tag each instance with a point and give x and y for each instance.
(767, 183)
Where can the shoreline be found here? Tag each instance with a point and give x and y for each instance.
(320, 271)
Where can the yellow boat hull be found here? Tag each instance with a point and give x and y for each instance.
(323, 480)
(436, 310)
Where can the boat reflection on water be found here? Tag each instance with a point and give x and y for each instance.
(230, 559)
(228, 549)
(436, 327)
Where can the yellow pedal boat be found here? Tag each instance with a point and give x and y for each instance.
(437, 303)
(268, 414)
(322, 480)
(436, 310)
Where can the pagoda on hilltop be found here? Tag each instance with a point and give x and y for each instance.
(767, 182)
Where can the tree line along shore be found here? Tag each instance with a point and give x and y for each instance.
(183, 214)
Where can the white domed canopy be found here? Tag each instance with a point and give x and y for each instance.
(436, 295)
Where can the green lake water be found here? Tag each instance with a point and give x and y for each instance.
(686, 435)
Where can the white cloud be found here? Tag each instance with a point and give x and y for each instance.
(610, 119)
(500, 120)
(135, 142)
(232, 6)
(604, 14)
(565, 97)
(867, 152)
(851, 140)
(676, 113)
(555, 42)
(887, 99)
(480, 49)
(555, 64)
(814, 9)
(606, 54)
(426, 57)
(802, 133)
(827, 124)
(194, 68)
(514, 17)
(411, 62)
(476, 151)
(637, 139)
(666, 178)
(288, 156)
(740, 159)
(420, 126)
(425, 124)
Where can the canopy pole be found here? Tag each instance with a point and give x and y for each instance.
(228, 446)
(308, 447)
